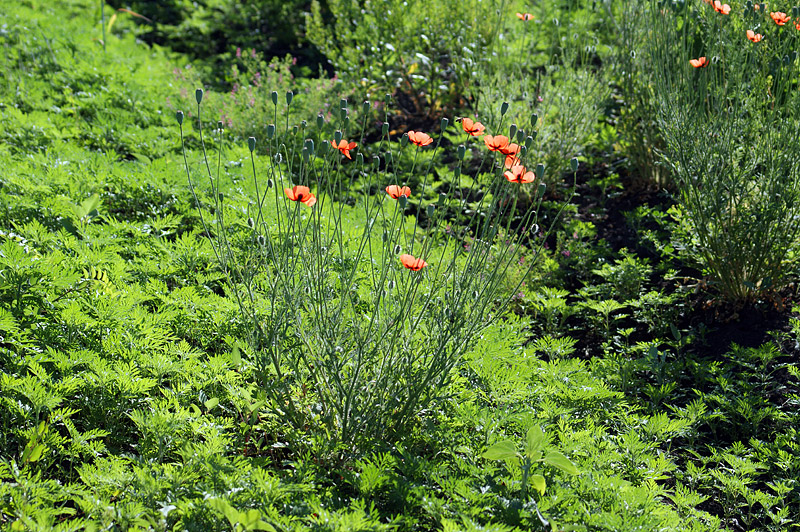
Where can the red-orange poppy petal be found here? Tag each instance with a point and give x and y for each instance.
(756, 37)
(519, 174)
(511, 149)
(471, 127)
(302, 194)
(780, 17)
(496, 143)
(525, 16)
(395, 191)
(700, 62)
(719, 7)
(412, 263)
(344, 147)
(511, 160)
(419, 138)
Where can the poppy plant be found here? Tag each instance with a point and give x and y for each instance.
(419, 138)
(525, 16)
(700, 62)
(719, 7)
(412, 263)
(301, 194)
(344, 147)
(756, 37)
(471, 127)
(519, 174)
(780, 17)
(395, 191)
(496, 143)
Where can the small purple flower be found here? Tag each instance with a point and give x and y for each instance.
(238, 52)
(565, 253)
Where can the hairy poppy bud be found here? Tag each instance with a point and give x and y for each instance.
(404, 139)
(221, 197)
(220, 125)
(270, 183)
(251, 143)
(289, 97)
(365, 107)
(457, 171)
(198, 95)
(574, 164)
(534, 119)
(542, 188)
(384, 129)
(274, 96)
(539, 170)
(403, 201)
(523, 151)
(397, 248)
(306, 155)
(360, 159)
(392, 284)
(503, 108)
(323, 148)
(310, 146)
(387, 99)
(512, 131)
(278, 158)
(376, 160)
(346, 121)
(442, 198)
(251, 223)
(294, 130)
(461, 151)
(179, 117)
(429, 210)
(262, 241)
(529, 141)
(343, 103)
(749, 6)
(337, 136)
(343, 113)
(520, 136)
(320, 121)
(443, 124)
(303, 125)
(270, 131)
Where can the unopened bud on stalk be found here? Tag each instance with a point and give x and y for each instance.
(403, 201)
(392, 284)
(442, 198)
(384, 129)
(343, 103)
(429, 210)
(795, 11)
(343, 113)
(262, 241)
(251, 143)
(534, 120)
(365, 107)
(523, 151)
(443, 124)
(278, 158)
(461, 151)
(457, 171)
(397, 248)
(310, 146)
(404, 139)
(337, 136)
(529, 141)
(320, 121)
(323, 148)
(179, 117)
(475, 294)
(542, 188)
(503, 108)
(220, 125)
(520, 136)
(573, 163)
(303, 125)
(221, 197)
(512, 131)
(346, 122)
(270, 131)
(251, 223)
(387, 99)
(198, 95)
(306, 155)
(749, 5)
(289, 97)
(294, 130)
(270, 183)
(274, 96)
(539, 170)
(360, 158)
(376, 160)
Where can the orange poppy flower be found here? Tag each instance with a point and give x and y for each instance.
(511, 149)
(344, 147)
(700, 62)
(395, 191)
(472, 127)
(780, 17)
(512, 160)
(797, 25)
(419, 138)
(756, 37)
(518, 174)
(301, 194)
(719, 7)
(496, 143)
(525, 16)
(412, 263)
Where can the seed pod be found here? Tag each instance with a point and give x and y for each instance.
(443, 124)
(320, 121)
(360, 159)
(343, 103)
(512, 131)
(503, 108)
(289, 97)
(403, 201)
(270, 131)
(303, 125)
(474, 294)
(343, 113)
(294, 130)
(404, 139)
(457, 171)
(573, 163)
(397, 248)
(539, 170)
(262, 241)
(365, 107)
(429, 210)
(534, 120)
(337, 136)
(323, 148)
(523, 150)
(220, 125)
(198, 95)
(392, 284)
(520, 136)
(274, 96)
(306, 155)
(346, 122)
(376, 161)
(270, 183)
(384, 129)
(251, 223)
(542, 188)
(387, 99)
(251, 143)
(461, 151)
(179, 117)
(442, 198)
(310, 146)
(529, 141)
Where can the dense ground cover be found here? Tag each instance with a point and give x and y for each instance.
(630, 364)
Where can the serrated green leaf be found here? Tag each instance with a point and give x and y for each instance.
(556, 459)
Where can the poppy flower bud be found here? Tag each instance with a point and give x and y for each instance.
(457, 171)
(475, 294)
(534, 119)
(289, 97)
(387, 99)
(404, 139)
(294, 130)
(529, 141)
(442, 198)
(503, 108)
(179, 117)
(520, 136)
(251, 143)
(323, 148)
(343, 103)
(278, 158)
(429, 210)
(270, 183)
(542, 188)
(795, 11)
(198, 95)
(523, 150)
(403, 201)
(365, 107)
(251, 223)
(397, 248)
(443, 124)
(749, 5)
(220, 125)
(221, 197)
(385, 129)
(320, 121)
(512, 131)
(310, 146)
(360, 158)
(274, 96)
(262, 241)
(574, 164)
(376, 161)
(392, 284)
(337, 136)
(461, 151)
(270, 131)
(303, 125)
(539, 170)
(343, 113)
(346, 120)
(306, 155)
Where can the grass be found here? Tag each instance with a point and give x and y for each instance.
(129, 395)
